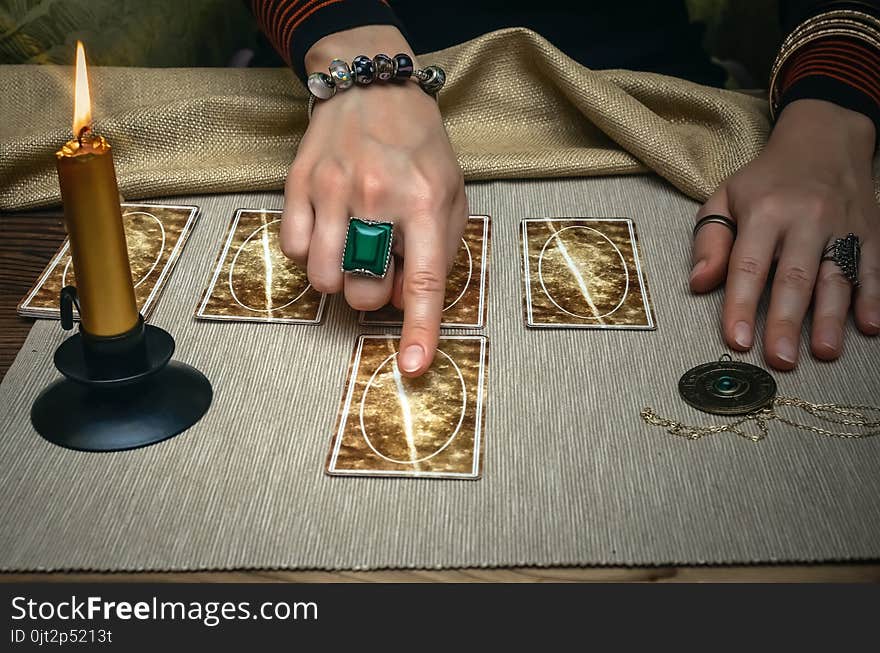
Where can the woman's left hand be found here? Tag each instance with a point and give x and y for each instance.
(812, 184)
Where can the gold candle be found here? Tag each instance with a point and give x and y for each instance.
(93, 219)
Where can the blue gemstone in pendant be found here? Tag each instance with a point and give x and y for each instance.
(726, 385)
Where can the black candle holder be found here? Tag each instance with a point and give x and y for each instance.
(119, 392)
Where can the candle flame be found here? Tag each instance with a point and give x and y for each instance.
(82, 104)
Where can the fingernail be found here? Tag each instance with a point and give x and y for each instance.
(830, 339)
(742, 334)
(699, 267)
(410, 359)
(785, 350)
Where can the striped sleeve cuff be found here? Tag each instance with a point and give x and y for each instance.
(294, 26)
(842, 70)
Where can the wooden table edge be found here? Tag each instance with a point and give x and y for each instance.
(868, 572)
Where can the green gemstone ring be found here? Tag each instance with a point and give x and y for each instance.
(367, 247)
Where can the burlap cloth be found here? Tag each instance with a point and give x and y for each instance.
(515, 107)
(571, 477)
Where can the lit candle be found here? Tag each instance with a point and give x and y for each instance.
(94, 222)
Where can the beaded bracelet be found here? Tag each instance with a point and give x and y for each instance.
(363, 71)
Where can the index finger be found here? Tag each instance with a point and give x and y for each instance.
(711, 246)
(424, 288)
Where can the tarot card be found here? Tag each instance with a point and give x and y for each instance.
(254, 282)
(466, 286)
(431, 426)
(584, 273)
(155, 235)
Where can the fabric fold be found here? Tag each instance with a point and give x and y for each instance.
(514, 107)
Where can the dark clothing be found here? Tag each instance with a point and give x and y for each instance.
(648, 35)
(637, 35)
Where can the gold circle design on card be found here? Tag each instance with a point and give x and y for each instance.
(429, 391)
(616, 249)
(244, 248)
(470, 274)
(131, 232)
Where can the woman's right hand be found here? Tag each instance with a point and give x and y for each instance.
(378, 152)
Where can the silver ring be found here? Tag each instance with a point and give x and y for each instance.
(845, 254)
(717, 219)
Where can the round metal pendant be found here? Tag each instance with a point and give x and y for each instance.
(727, 387)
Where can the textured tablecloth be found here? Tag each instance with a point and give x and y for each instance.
(572, 476)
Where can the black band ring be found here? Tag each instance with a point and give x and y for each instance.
(717, 219)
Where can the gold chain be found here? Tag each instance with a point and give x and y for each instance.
(832, 413)
(696, 432)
